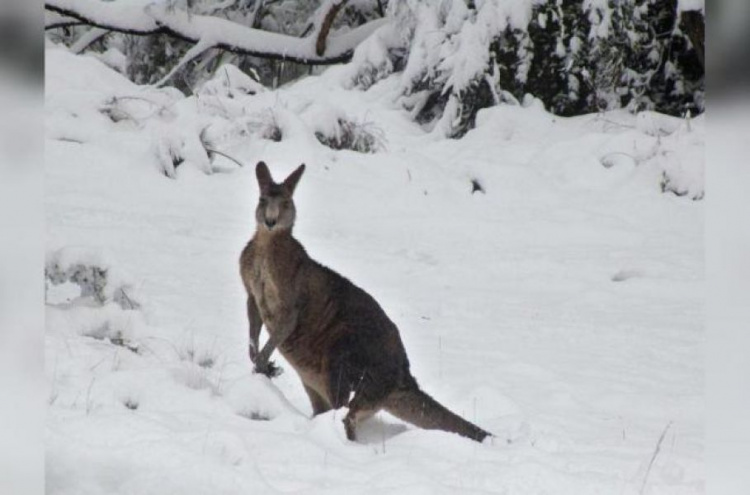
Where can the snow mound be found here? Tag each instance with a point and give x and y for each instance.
(256, 398)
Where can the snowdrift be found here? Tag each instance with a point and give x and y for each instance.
(560, 307)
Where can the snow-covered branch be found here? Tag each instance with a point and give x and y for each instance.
(333, 9)
(53, 20)
(143, 17)
(91, 36)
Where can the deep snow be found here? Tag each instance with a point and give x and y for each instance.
(561, 310)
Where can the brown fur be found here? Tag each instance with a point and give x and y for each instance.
(334, 334)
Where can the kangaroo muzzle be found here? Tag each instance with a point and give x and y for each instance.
(271, 217)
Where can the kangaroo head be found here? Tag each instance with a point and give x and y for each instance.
(275, 211)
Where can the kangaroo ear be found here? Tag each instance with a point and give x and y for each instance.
(263, 175)
(291, 182)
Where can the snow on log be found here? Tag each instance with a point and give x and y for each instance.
(143, 17)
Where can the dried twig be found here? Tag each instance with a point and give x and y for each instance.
(210, 150)
(653, 457)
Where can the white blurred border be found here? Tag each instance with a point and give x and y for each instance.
(728, 248)
(22, 404)
(22, 401)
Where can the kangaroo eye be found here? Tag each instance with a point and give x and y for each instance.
(263, 201)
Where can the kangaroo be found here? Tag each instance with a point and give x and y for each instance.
(334, 334)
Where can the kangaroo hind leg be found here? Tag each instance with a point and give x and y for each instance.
(355, 416)
(319, 404)
(363, 406)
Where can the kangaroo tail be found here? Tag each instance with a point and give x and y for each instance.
(418, 408)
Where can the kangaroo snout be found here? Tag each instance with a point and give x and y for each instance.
(270, 223)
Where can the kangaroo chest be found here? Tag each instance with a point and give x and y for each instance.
(267, 287)
(273, 282)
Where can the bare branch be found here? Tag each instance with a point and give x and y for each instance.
(87, 39)
(221, 153)
(53, 20)
(381, 10)
(64, 24)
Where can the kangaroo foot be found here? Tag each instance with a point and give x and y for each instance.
(360, 409)
(269, 368)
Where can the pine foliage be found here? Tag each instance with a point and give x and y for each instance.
(576, 57)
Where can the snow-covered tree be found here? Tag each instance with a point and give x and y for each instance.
(454, 57)
(576, 57)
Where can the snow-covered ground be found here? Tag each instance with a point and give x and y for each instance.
(561, 309)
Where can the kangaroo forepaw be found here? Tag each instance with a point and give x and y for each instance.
(270, 369)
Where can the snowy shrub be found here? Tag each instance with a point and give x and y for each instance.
(130, 403)
(230, 82)
(677, 153)
(206, 361)
(205, 358)
(334, 128)
(669, 185)
(363, 137)
(657, 125)
(197, 360)
(223, 131)
(139, 108)
(683, 163)
(265, 125)
(254, 415)
(114, 111)
(234, 124)
(196, 378)
(174, 146)
(93, 274)
(376, 58)
(110, 323)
